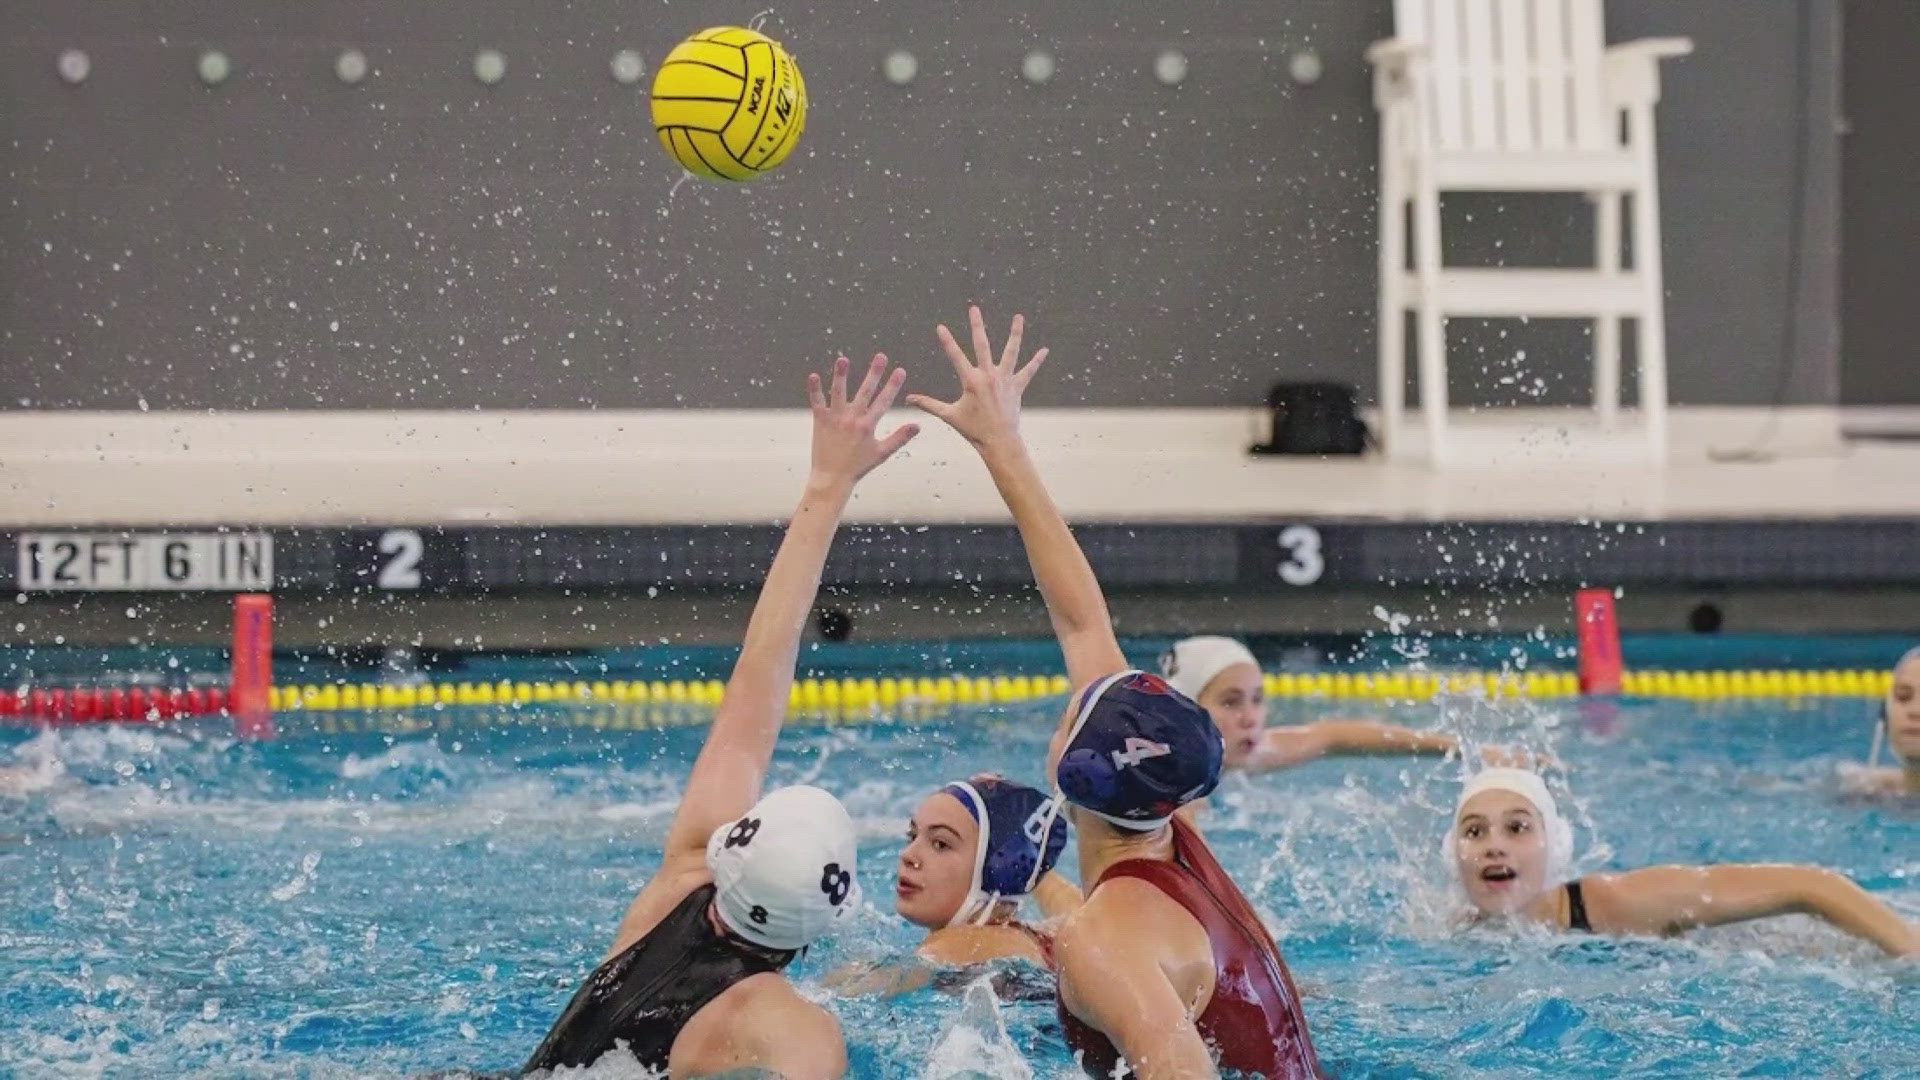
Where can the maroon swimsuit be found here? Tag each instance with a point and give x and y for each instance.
(1253, 1021)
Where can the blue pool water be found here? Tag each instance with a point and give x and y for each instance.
(361, 903)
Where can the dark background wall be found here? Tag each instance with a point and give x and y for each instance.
(284, 240)
(1881, 166)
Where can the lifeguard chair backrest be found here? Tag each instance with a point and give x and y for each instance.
(1518, 75)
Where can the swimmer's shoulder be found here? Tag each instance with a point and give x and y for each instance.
(1126, 929)
(960, 946)
(1645, 900)
(761, 1022)
(1124, 898)
(1129, 910)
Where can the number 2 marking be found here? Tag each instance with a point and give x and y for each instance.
(403, 570)
(68, 553)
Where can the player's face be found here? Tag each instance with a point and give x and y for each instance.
(936, 867)
(1903, 710)
(1237, 701)
(1500, 852)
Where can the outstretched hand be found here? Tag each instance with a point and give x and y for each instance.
(988, 409)
(844, 446)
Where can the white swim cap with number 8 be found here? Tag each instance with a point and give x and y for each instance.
(784, 873)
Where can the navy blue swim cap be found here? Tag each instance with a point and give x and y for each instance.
(1138, 751)
(1021, 836)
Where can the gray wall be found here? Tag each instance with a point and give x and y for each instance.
(285, 241)
(1881, 362)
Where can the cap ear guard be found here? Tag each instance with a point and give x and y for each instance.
(1044, 836)
(1048, 843)
(977, 908)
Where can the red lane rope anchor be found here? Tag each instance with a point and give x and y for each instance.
(1602, 669)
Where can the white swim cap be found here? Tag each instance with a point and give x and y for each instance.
(1193, 662)
(1530, 787)
(1880, 729)
(784, 873)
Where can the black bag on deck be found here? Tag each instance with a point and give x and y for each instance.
(1314, 418)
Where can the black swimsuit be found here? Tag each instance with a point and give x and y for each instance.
(1577, 909)
(644, 995)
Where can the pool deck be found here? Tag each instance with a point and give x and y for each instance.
(586, 529)
(702, 467)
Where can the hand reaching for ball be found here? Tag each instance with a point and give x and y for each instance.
(988, 408)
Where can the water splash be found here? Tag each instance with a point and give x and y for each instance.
(143, 945)
(976, 1045)
(299, 882)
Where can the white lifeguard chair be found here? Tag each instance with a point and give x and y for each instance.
(1517, 96)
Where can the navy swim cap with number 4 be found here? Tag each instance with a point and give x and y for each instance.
(1138, 751)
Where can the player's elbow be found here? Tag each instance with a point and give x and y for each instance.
(1816, 889)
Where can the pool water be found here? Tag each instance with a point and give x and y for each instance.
(177, 901)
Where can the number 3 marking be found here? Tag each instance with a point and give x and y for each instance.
(403, 570)
(1306, 564)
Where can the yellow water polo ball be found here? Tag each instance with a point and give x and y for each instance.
(728, 103)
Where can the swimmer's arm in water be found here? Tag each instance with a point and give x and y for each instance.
(880, 980)
(1373, 737)
(1668, 899)
(727, 775)
(987, 414)
(1057, 896)
(1114, 978)
(1876, 783)
(947, 947)
(1285, 747)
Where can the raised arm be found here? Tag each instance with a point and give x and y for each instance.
(732, 765)
(1665, 899)
(987, 414)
